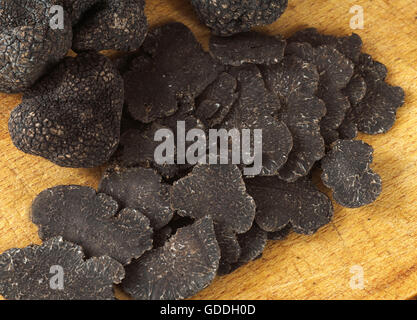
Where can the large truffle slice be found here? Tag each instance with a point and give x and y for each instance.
(249, 47)
(295, 82)
(346, 171)
(226, 17)
(175, 65)
(217, 191)
(140, 189)
(111, 24)
(92, 220)
(27, 274)
(280, 203)
(72, 117)
(29, 47)
(255, 109)
(185, 265)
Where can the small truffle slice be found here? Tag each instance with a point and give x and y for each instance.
(29, 47)
(111, 25)
(346, 171)
(255, 109)
(229, 248)
(249, 47)
(217, 191)
(348, 129)
(215, 103)
(226, 17)
(252, 245)
(280, 203)
(294, 82)
(26, 274)
(185, 265)
(376, 113)
(141, 189)
(92, 220)
(72, 117)
(281, 234)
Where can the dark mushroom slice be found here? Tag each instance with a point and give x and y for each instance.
(280, 203)
(111, 24)
(346, 170)
(226, 17)
(141, 189)
(217, 191)
(229, 248)
(281, 234)
(248, 47)
(252, 245)
(72, 117)
(294, 82)
(185, 265)
(76, 8)
(27, 274)
(29, 47)
(92, 220)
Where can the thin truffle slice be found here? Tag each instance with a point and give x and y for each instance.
(26, 274)
(185, 265)
(92, 220)
(346, 171)
(140, 189)
(72, 117)
(281, 234)
(218, 191)
(250, 47)
(294, 82)
(29, 47)
(252, 245)
(226, 17)
(229, 248)
(299, 204)
(111, 24)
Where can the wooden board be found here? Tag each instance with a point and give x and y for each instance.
(380, 238)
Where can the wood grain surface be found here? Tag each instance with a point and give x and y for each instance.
(380, 238)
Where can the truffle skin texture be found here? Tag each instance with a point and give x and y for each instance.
(295, 82)
(25, 274)
(72, 117)
(92, 220)
(249, 47)
(218, 191)
(29, 47)
(346, 171)
(280, 203)
(76, 8)
(140, 189)
(226, 17)
(185, 265)
(112, 25)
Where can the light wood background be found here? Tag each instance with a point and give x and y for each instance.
(380, 238)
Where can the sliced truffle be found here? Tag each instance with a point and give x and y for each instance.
(92, 220)
(348, 129)
(256, 109)
(376, 113)
(346, 170)
(141, 189)
(185, 265)
(295, 82)
(72, 117)
(226, 17)
(29, 47)
(27, 274)
(76, 8)
(217, 191)
(280, 203)
(249, 47)
(173, 66)
(229, 248)
(252, 245)
(111, 24)
(281, 234)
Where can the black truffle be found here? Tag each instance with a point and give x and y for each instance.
(92, 220)
(185, 265)
(72, 117)
(29, 47)
(226, 17)
(346, 171)
(229, 248)
(26, 274)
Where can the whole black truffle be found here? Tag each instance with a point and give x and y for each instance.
(226, 17)
(29, 46)
(72, 117)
